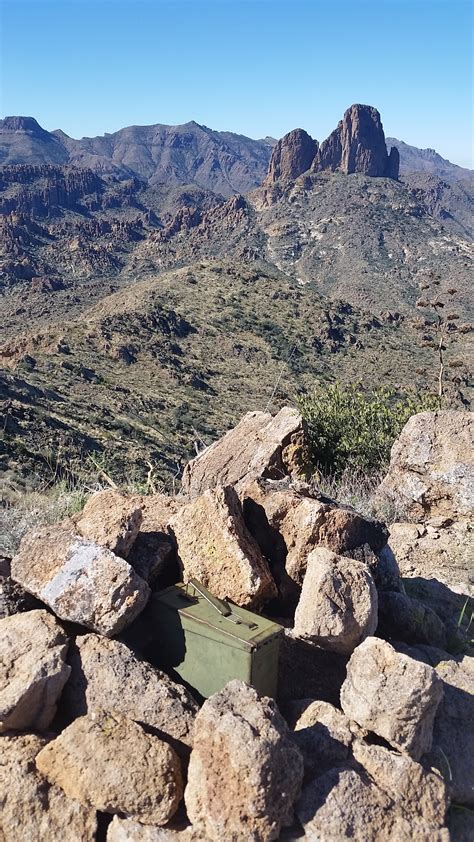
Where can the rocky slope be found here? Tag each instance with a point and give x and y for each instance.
(115, 293)
(367, 736)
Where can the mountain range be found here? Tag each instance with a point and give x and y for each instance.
(158, 282)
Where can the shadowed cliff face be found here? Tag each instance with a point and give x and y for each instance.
(292, 156)
(358, 145)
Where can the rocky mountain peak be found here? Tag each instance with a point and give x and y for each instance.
(21, 124)
(358, 145)
(292, 156)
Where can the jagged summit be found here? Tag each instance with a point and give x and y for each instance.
(356, 145)
(292, 156)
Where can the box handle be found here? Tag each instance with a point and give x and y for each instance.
(219, 604)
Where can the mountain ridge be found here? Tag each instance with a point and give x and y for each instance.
(62, 149)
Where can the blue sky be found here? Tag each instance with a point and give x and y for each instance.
(258, 67)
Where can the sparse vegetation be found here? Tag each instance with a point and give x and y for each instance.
(37, 508)
(351, 430)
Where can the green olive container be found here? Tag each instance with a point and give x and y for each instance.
(209, 641)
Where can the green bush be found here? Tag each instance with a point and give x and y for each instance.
(353, 429)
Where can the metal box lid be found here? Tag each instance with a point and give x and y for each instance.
(208, 616)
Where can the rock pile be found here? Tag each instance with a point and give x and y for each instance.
(94, 735)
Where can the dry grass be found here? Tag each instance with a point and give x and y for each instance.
(360, 491)
(37, 508)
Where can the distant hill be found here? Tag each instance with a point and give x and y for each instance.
(223, 162)
(427, 161)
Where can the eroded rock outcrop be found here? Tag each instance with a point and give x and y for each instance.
(33, 670)
(338, 604)
(291, 156)
(107, 675)
(358, 145)
(215, 547)
(288, 523)
(245, 772)
(258, 446)
(107, 761)
(431, 472)
(392, 695)
(80, 580)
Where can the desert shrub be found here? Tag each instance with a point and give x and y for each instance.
(351, 429)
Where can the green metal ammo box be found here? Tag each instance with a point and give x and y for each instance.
(209, 641)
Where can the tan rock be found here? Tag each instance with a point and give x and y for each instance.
(324, 735)
(337, 608)
(437, 549)
(431, 470)
(158, 509)
(259, 446)
(420, 795)
(392, 695)
(385, 797)
(112, 520)
(288, 524)
(127, 830)
(245, 772)
(33, 670)
(81, 581)
(153, 554)
(107, 675)
(31, 809)
(452, 751)
(215, 547)
(107, 761)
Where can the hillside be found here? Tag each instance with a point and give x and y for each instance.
(223, 162)
(140, 318)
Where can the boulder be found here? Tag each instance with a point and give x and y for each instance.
(436, 549)
(378, 797)
(31, 808)
(33, 670)
(392, 695)
(407, 619)
(81, 581)
(452, 751)
(324, 735)
(291, 156)
(108, 762)
(453, 734)
(288, 522)
(245, 772)
(338, 604)
(107, 675)
(259, 446)
(431, 471)
(112, 520)
(215, 547)
(358, 145)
